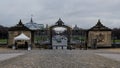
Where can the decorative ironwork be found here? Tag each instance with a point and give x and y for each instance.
(100, 37)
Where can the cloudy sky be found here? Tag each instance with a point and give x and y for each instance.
(83, 13)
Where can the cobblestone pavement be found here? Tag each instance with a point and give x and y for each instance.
(59, 59)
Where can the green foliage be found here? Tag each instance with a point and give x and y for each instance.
(81, 38)
(41, 38)
(118, 40)
(3, 41)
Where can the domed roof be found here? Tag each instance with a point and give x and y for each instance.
(34, 26)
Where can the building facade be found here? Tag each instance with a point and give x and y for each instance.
(99, 35)
(17, 30)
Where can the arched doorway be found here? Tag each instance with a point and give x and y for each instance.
(60, 35)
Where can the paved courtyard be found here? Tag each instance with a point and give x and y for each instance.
(58, 59)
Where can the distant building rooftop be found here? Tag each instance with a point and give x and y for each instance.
(76, 27)
(34, 26)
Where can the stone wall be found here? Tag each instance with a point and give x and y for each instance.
(13, 34)
(103, 38)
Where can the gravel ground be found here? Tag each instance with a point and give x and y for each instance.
(59, 59)
(9, 56)
(111, 56)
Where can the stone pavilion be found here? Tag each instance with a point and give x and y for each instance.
(99, 34)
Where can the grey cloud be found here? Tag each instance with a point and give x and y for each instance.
(84, 13)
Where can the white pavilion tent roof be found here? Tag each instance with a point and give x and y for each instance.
(22, 36)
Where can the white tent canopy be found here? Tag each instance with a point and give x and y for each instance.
(22, 36)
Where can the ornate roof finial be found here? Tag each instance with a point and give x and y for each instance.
(59, 19)
(99, 23)
(31, 18)
(59, 22)
(20, 22)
